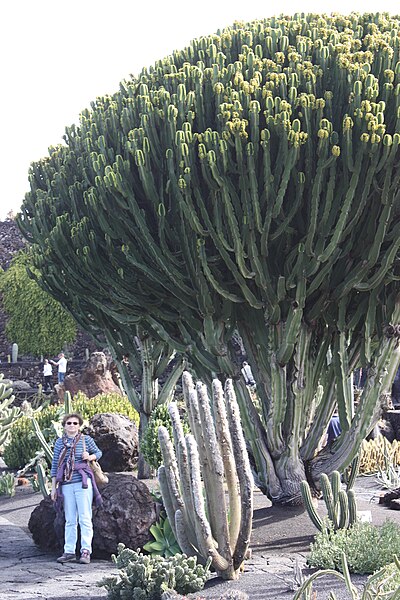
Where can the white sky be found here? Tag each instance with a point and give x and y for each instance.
(58, 55)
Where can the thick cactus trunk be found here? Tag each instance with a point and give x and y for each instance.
(298, 399)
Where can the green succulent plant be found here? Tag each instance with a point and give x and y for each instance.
(245, 183)
(7, 485)
(147, 577)
(164, 543)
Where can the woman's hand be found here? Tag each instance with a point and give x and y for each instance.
(85, 455)
(53, 494)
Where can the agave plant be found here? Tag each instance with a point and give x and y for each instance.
(164, 543)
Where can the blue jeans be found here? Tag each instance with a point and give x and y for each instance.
(78, 508)
(61, 377)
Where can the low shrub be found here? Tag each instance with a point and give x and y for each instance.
(104, 403)
(149, 445)
(147, 577)
(24, 444)
(366, 546)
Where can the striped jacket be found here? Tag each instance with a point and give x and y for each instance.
(91, 447)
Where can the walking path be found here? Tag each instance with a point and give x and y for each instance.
(26, 573)
(280, 536)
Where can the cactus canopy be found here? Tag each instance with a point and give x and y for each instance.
(249, 183)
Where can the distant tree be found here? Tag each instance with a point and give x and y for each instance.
(36, 321)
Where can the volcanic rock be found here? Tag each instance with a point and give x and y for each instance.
(117, 437)
(126, 515)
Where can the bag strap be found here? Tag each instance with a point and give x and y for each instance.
(84, 445)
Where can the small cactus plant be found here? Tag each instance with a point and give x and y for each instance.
(341, 504)
(147, 577)
(376, 454)
(7, 485)
(8, 414)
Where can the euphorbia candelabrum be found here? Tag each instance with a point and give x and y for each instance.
(248, 183)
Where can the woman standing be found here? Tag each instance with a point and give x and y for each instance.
(73, 483)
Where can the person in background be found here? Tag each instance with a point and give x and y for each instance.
(62, 366)
(73, 484)
(334, 429)
(247, 374)
(47, 375)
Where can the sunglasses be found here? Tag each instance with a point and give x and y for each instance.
(72, 423)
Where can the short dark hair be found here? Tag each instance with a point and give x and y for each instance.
(69, 416)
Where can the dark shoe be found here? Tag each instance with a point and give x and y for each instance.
(85, 557)
(66, 557)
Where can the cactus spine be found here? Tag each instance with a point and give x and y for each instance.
(194, 474)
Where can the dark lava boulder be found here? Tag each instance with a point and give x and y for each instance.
(127, 512)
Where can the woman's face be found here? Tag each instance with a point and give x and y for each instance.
(71, 426)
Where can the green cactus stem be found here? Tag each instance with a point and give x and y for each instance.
(341, 505)
(42, 480)
(48, 452)
(8, 413)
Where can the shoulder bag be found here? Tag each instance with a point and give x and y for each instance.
(98, 473)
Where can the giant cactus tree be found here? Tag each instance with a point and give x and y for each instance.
(248, 182)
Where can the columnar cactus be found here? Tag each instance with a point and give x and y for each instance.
(8, 413)
(247, 183)
(341, 504)
(207, 522)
